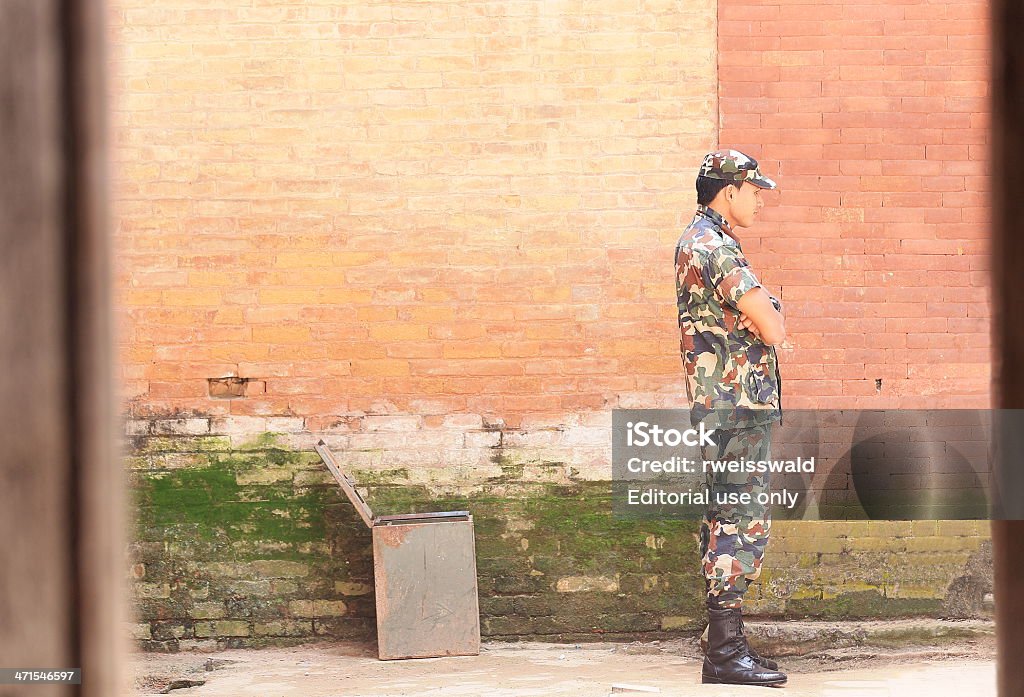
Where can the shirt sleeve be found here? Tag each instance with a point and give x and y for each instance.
(731, 275)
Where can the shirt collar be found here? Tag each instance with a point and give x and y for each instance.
(716, 218)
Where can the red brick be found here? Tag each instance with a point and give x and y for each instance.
(924, 105)
(819, 73)
(890, 183)
(948, 122)
(895, 152)
(814, 183)
(744, 89)
(976, 215)
(966, 104)
(911, 136)
(863, 135)
(747, 12)
(943, 183)
(905, 88)
(789, 90)
(868, 72)
(792, 120)
(977, 152)
(817, 11)
(767, 74)
(746, 27)
(806, 43)
(942, 215)
(846, 57)
(965, 136)
(760, 42)
(793, 27)
(967, 72)
(853, 27)
(905, 57)
(928, 72)
(957, 57)
(912, 167)
(947, 152)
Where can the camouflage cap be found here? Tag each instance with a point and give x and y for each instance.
(734, 166)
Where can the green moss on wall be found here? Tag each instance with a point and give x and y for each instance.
(209, 504)
(249, 536)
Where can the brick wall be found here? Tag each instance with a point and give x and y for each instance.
(395, 207)
(875, 116)
(440, 233)
(464, 208)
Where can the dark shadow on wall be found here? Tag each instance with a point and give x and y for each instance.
(914, 465)
(887, 465)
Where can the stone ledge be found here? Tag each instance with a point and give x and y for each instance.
(801, 638)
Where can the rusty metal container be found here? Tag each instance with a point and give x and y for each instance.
(424, 568)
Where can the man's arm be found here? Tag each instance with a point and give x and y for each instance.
(756, 305)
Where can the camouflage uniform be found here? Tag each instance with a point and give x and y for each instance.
(732, 382)
(733, 536)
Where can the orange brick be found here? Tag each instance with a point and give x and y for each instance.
(179, 297)
(388, 332)
(289, 296)
(280, 334)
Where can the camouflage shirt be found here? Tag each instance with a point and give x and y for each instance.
(727, 367)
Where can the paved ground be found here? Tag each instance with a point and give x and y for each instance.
(556, 670)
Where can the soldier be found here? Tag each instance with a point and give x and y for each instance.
(729, 325)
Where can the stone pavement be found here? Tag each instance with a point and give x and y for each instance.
(555, 670)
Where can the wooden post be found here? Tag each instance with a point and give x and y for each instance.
(61, 587)
(1008, 321)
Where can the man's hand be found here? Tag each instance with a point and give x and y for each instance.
(749, 325)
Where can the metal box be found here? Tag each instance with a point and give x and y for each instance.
(424, 571)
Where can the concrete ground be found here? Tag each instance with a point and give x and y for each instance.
(961, 669)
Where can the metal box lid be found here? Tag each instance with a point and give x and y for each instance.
(348, 485)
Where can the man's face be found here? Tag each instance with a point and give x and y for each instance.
(745, 202)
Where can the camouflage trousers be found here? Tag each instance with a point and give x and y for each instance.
(733, 535)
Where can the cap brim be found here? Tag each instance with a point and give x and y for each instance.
(763, 182)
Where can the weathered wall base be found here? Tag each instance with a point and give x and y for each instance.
(244, 540)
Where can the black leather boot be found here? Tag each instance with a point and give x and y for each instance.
(758, 658)
(727, 661)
